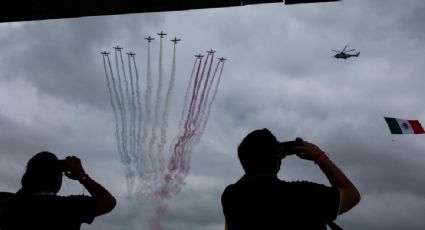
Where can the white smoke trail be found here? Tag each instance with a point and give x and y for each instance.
(139, 121)
(186, 97)
(164, 125)
(132, 125)
(157, 168)
(214, 93)
(147, 163)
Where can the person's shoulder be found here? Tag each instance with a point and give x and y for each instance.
(230, 188)
(305, 185)
(75, 198)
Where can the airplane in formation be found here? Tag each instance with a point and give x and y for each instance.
(344, 54)
(222, 59)
(149, 38)
(105, 53)
(175, 40)
(117, 47)
(199, 56)
(211, 51)
(131, 54)
(162, 34)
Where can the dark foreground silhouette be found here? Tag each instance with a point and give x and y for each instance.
(36, 205)
(260, 200)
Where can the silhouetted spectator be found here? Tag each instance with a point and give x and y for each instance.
(260, 200)
(36, 205)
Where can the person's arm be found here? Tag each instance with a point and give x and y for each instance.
(350, 196)
(106, 202)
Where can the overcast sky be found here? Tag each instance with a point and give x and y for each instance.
(280, 74)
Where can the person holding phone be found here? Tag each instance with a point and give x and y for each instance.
(37, 206)
(260, 200)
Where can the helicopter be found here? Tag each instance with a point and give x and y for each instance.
(344, 53)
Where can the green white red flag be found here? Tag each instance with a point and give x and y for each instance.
(401, 126)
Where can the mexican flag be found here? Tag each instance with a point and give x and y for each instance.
(401, 126)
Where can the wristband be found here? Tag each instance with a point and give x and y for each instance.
(320, 157)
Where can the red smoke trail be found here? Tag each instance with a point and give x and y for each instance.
(194, 118)
(194, 93)
(192, 115)
(176, 157)
(209, 101)
(186, 97)
(206, 83)
(192, 135)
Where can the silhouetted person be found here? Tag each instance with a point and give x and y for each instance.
(36, 205)
(260, 200)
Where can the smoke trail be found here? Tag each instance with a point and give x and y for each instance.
(190, 135)
(147, 166)
(132, 125)
(121, 104)
(202, 107)
(204, 89)
(114, 109)
(126, 159)
(139, 118)
(157, 167)
(140, 147)
(124, 104)
(194, 94)
(213, 95)
(176, 157)
(148, 92)
(164, 125)
(186, 97)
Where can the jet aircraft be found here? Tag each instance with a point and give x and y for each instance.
(149, 38)
(175, 40)
(162, 34)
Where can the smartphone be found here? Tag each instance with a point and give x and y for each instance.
(63, 165)
(288, 147)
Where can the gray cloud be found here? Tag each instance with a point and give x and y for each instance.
(280, 74)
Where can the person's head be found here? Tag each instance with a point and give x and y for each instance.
(258, 153)
(43, 174)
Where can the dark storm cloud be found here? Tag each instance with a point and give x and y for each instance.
(62, 57)
(280, 75)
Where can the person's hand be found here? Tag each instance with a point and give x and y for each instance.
(307, 150)
(75, 168)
